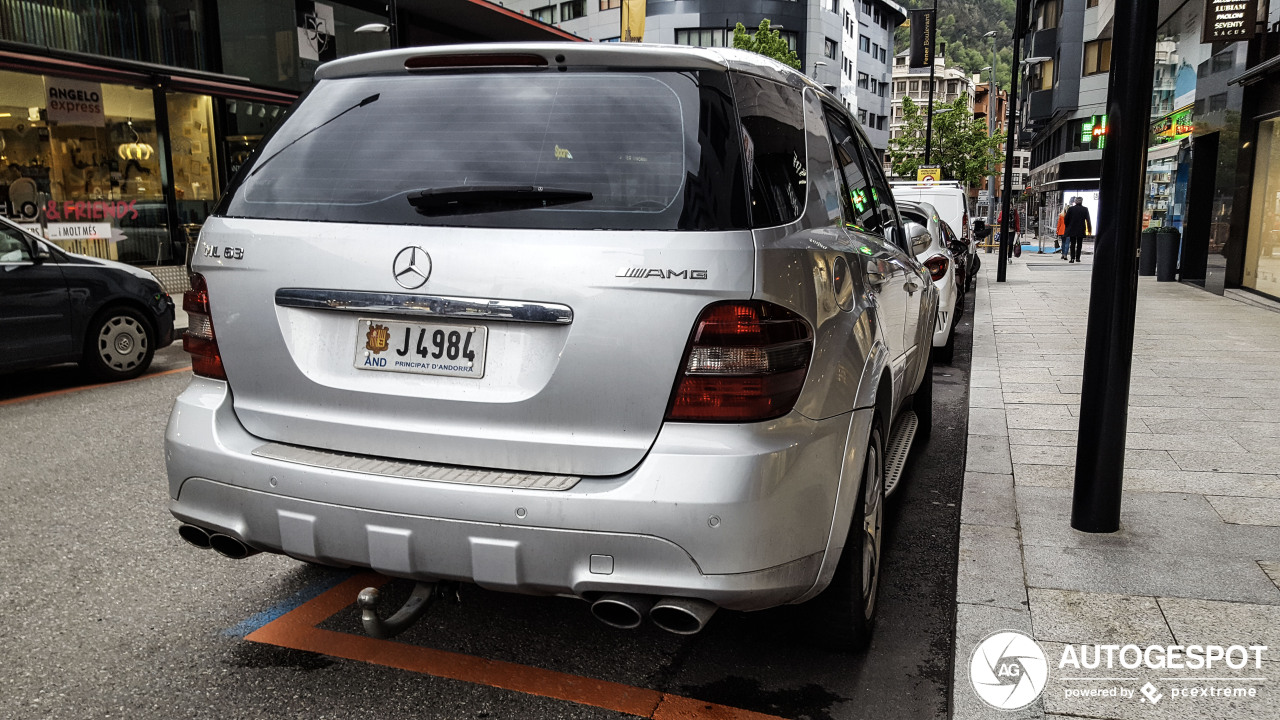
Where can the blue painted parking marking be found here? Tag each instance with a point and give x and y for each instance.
(295, 600)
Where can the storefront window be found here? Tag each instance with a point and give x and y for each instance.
(1262, 254)
(82, 160)
(244, 125)
(191, 144)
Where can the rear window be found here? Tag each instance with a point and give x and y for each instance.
(584, 150)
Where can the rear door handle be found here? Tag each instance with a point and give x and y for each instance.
(877, 278)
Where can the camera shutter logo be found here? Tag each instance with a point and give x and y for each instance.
(1008, 670)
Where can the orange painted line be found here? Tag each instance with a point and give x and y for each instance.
(66, 391)
(297, 630)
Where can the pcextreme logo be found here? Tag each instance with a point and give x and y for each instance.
(1008, 670)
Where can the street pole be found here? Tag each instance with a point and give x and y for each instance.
(1113, 297)
(991, 112)
(933, 62)
(1006, 196)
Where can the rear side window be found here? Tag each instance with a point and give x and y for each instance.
(773, 140)
(572, 150)
(880, 191)
(865, 218)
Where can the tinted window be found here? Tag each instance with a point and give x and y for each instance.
(629, 150)
(880, 192)
(864, 216)
(773, 141)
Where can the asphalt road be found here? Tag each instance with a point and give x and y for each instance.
(108, 614)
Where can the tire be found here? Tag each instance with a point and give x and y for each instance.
(118, 345)
(922, 404)
(845, 612)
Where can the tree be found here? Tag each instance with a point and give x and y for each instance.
(960, 143)
(766, 41)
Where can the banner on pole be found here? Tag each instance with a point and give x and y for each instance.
(922, 38)
(1229, 20)
(633, 20)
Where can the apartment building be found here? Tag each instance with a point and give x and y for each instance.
(949, 83)
(845, 45)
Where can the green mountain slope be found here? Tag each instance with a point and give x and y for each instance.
(961, 26)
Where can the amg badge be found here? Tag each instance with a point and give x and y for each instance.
(660, 273)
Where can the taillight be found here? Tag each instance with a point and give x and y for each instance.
(745, 362)
(937, 267)
(199, 340)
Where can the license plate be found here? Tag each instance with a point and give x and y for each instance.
(454, 350)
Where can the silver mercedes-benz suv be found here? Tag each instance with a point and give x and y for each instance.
(633, 324)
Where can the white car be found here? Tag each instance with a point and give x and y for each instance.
(951, 202)
(932, 242)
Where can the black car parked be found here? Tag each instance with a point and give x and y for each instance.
(60, 307)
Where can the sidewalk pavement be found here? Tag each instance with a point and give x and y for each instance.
(1197, 558)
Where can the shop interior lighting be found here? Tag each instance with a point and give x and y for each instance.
(136, 150)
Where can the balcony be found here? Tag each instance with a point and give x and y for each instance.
(1040, 105)
(1044, 43)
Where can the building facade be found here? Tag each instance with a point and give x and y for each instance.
(949, 84)
(121, 121)
(845, 45)
(1063, 100)
(1239, 115)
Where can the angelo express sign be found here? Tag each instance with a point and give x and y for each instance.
(73, 102)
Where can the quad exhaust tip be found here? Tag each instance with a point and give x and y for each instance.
(225, 545)
(682, 616)
(620, 610)
(197, 536)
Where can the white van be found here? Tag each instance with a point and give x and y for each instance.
(951, 200)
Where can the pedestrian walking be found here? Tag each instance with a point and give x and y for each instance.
(1077, 224)
(1060, 237)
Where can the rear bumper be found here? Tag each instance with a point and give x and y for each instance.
(945, 318)
(738, 515)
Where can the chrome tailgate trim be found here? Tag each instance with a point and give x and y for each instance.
(385, 467)
(425, 305)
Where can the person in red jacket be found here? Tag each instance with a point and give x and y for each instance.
(1015, 226)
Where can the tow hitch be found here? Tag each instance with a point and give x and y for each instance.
(409, 613)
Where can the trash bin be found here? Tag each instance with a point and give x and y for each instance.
(1168, 241)
(1147, 252)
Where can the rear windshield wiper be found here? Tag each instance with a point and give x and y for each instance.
(468, 199)
(367, 101)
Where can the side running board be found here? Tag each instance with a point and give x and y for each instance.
(895, 456)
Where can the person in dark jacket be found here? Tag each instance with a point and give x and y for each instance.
(1077, 224)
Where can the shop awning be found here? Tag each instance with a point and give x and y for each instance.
(63, 63)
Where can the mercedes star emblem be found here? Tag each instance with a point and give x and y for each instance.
(411, 267)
